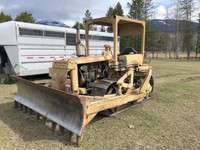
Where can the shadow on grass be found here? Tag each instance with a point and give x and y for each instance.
(30, 78)
(37, 77)
(29, 129)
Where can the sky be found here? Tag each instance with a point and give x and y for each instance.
(70, 11)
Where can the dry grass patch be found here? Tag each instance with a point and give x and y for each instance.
(169, 120)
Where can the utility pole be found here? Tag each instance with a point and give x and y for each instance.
(198, 39)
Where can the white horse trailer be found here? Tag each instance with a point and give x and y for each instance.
(29, 49)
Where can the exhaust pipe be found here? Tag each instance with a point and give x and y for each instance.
(79, 45)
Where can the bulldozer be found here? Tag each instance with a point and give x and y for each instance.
(84, 86)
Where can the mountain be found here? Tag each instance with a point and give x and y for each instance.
(158, 23)
(52, 23)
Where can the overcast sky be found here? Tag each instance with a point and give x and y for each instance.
(70, 11)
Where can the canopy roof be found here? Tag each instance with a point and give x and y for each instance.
(121, 27)
(125, 25)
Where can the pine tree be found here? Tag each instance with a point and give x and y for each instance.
(5, 18)
(148, 6)
(88, 16)
(136, 9)
(188, 31)
(25, 17)
(198, 39)
(166, 35)
(103, 29)
(114, 11)
(141, 10)
(188, 35)
(78, 23)
(118, 10)
(110, 13)
(150, 31)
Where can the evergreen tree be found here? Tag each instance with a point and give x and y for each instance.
(136, 9)
(118, 10)
(25, 17)
(112, 12)
(142, 10)
(81, 25)
(188, 31)
(88, 16)
(103, 29)
(5, 18)
(188, 35)
(198, 39)
(166, 35)
(148, 7)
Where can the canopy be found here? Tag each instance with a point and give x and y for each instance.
(122, 26)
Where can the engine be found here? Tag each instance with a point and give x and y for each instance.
(88, 73)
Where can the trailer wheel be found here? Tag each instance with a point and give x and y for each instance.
(1, 68)
(3, 60)
(8, 79)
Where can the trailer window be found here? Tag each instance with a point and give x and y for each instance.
(54, 34)
(96, 37)
(24, 31)
(100, 38)
(70, 39)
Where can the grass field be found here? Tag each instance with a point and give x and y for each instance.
(181, 55)
(169, 120)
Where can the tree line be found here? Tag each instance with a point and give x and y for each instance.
(171, 44)
(182, 40)
(22, 17)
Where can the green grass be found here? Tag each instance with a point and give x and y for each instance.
(169, 120)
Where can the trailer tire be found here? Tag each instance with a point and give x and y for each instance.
(3, 60)
(1, 68)
(8, 79)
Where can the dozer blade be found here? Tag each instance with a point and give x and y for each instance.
(60, 107)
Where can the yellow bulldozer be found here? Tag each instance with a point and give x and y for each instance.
(83, 86)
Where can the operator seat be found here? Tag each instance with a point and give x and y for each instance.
(128, 50)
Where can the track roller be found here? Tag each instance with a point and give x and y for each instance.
(44, 120)
(37, 116)
(21, 107)
(53, 125)
(30, 111)
(61, 130)
(70, 134)
(25, 109)
(16, 104)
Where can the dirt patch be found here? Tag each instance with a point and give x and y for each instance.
(178, 74)
(191, 78)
